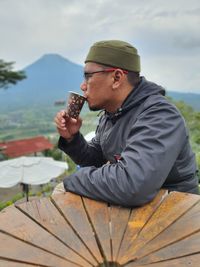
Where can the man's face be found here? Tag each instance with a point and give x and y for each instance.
(97, 87)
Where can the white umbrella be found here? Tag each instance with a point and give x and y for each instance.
(29, 170)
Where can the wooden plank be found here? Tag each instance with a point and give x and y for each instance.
(172, 208)
(185, 247)
(17, 224)
(100, 219)
(139, 217)
(188, 261)
(73, 210)
(119, 220)
(186, 225)
(48, 216)
(7, 263)
(18, 250)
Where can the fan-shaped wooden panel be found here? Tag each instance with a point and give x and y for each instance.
(69, 230)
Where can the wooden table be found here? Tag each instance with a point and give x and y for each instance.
(69, 230)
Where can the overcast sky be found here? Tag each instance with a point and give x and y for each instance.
(166, 34)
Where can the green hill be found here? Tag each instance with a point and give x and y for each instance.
(190, 99)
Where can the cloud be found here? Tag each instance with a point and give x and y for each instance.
(166, 35)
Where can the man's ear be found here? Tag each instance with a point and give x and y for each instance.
(117, 77)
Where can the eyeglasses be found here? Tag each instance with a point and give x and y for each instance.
(88, 75)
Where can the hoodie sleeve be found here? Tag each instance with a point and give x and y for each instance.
(82, 152)
(153, 144)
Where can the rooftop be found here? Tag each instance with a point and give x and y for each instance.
(17, 148)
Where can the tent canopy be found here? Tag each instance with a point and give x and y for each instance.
(30, 170)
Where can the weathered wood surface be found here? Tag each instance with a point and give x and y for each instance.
(69, 230)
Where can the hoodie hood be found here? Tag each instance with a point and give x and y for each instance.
(136, 96)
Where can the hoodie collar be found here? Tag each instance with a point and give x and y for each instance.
(136, 96)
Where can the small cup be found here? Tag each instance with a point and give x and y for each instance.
(74, 104)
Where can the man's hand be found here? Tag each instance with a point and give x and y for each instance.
(67, 127)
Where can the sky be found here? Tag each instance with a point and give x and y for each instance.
(165, 33)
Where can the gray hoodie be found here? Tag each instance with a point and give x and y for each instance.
(141, 148)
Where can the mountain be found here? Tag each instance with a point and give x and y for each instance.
(190, 99)
(48, 80)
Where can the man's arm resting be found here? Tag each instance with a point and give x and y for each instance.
(82, 152)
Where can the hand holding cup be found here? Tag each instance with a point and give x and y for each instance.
(67, 121)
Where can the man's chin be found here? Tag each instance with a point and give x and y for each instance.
(94, 108)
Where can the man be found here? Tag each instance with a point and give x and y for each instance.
(141, 142)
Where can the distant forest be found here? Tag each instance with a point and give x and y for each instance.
(192, 119)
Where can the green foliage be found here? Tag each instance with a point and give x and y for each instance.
(71, 164)
(192, 119)
(10, 202)
(3, 205)
(8, 76)
(54, 153)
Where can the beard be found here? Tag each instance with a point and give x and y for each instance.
(94, 108)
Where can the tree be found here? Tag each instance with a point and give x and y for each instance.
(8, 76)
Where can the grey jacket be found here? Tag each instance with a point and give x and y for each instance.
(147, 146)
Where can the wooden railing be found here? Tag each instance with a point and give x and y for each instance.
(69, 230)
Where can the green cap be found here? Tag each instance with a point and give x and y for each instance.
(115, 53)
